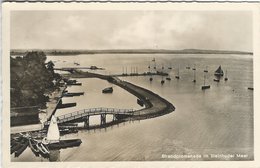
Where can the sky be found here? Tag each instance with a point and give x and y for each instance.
(218, 30)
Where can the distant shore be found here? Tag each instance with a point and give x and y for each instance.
(129, 51)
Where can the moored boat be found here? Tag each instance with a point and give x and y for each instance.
(43, 149)
(65, 144)
(219, 72)
(206, 70)
(216, 80)
(162, 82)
(107, 90)
(168, 78)
(178, 73)
(22, 148)
(205, 86)
(33, 146)
(226, 78)
(140, 102)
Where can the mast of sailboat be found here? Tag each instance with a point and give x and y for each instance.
(162, 71)
(204, 79)
(178, 70)
(162, 81)
(226, 78)
(150, 72)
(194, 73)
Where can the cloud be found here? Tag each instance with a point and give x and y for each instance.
(161, 30)
(131, 29)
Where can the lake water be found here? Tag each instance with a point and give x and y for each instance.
(214, 121)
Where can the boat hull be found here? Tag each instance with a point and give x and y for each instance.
(64, 144)
(205, 87)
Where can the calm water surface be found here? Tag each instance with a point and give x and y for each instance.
(215, 121)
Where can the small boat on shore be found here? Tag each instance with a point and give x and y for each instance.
(108, 90)
(219, 72)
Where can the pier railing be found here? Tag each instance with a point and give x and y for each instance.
(92, 111)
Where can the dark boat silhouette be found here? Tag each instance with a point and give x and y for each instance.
(168, 78)
(151, 78)
(178, 73)
(250, 88)
(194, 73)
(65, 144)
(219, 72)
(216, 80)
(140, 102)
(107, 90)
(162, 82)
(206, 70)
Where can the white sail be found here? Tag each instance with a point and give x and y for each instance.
(53, 130)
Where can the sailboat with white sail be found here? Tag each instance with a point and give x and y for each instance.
(53, 134)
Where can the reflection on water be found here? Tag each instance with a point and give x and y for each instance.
(215, 121)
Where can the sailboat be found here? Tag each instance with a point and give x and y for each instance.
(206, 70)
(162, 81)
(226, 78)
(170, 67)
(151, 78)
(178, 74)
(205, 86)
(219, 72)
(194, 73)
(53, 134)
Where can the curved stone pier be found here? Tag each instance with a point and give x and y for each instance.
(154, 104)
